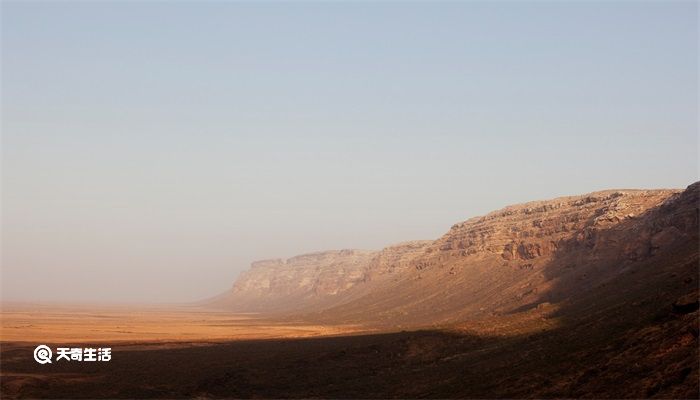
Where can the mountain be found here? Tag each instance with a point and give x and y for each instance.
(592, 296)
(542, 255)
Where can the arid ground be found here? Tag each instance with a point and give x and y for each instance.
(65, 324)
(139, 337)
(190, 353)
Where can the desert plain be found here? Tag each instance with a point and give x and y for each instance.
(140, 336)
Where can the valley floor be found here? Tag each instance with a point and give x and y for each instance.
(185, 353)
(42, 323)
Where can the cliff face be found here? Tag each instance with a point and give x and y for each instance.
(283, 285)
(322, 273)
(526, 236)
(316, 280)
(540, 255)
(546, 255)
(395, 259)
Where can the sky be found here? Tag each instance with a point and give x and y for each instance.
(152, 150)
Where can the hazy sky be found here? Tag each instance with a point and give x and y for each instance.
(151, 151)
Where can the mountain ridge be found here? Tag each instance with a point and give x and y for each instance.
(507, 261)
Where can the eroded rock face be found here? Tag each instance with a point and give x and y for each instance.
(278, 283)
(508, 261)
(322, 273)
(315, 280)
(395, 259)
(529, 234)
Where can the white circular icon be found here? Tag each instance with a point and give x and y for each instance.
(42, 354)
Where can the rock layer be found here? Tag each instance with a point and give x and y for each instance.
(298, 282)
(543, 255)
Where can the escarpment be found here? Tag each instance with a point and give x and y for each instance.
(298, 282)
(536, 257)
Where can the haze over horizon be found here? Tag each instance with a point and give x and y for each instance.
(151, 151)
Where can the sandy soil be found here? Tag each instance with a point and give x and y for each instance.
(189, 353)
(64, 324)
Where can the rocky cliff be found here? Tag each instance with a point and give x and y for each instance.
(298, 282)
(543, 255)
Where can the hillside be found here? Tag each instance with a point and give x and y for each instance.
(591, 296)
(583, 296)
(540, 255)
